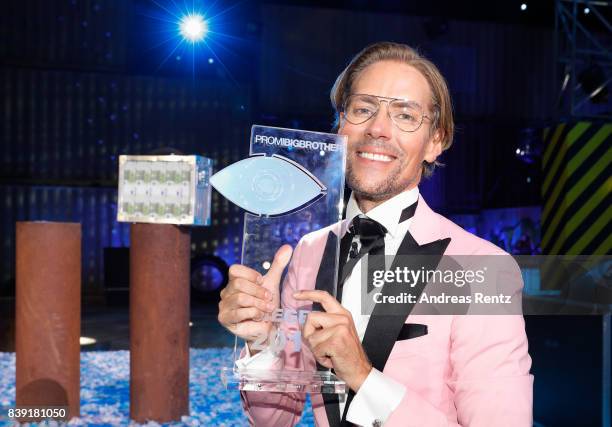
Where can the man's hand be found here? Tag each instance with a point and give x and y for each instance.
(249, 296)
(333, 339)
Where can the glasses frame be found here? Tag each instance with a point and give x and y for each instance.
(388, 100)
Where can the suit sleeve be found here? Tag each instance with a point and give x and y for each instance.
(280, 409)
(489, 376)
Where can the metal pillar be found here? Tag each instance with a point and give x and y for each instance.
(159, 322)
(48, 315)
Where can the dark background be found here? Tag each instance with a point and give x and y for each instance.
(83, 81)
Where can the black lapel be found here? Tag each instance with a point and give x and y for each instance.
(345, 247)
(326, 270)
(383, 328)
(328, 264)
(327, 267)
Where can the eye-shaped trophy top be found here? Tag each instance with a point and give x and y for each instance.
(268, 185)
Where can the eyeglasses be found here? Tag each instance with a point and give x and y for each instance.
(406, 115)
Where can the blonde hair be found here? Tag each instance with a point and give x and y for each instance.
(440, 103)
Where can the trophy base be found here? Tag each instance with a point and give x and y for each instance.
(282, 381)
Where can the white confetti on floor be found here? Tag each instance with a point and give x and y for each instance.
(105, 391)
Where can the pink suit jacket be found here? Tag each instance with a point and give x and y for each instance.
(466, 371)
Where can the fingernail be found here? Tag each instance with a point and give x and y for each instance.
(268, 295)
(259, 280)
(270, 307)
(296, 294)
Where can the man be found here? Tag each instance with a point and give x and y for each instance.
(422, 370)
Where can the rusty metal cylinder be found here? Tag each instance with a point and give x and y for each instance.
(48, 314)
(159, 322)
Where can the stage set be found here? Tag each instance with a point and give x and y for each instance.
(111, 271)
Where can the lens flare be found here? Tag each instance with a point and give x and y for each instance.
(193, 27)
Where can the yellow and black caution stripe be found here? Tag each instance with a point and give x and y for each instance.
(577, 189)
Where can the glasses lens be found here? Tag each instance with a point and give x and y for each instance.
(407, 115)
(359, 108)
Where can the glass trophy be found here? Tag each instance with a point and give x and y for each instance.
(291, 186)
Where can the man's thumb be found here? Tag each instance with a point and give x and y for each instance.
(281, 259)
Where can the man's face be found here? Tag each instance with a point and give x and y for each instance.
(382, 160)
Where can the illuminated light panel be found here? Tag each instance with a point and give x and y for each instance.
(164, 189)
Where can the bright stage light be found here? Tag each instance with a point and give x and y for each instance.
(193, 27)
(523, 6)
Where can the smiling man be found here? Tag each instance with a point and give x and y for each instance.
(406, 370)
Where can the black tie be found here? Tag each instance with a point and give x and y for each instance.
(372, 237)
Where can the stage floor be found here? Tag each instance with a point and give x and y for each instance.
(105, 390)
